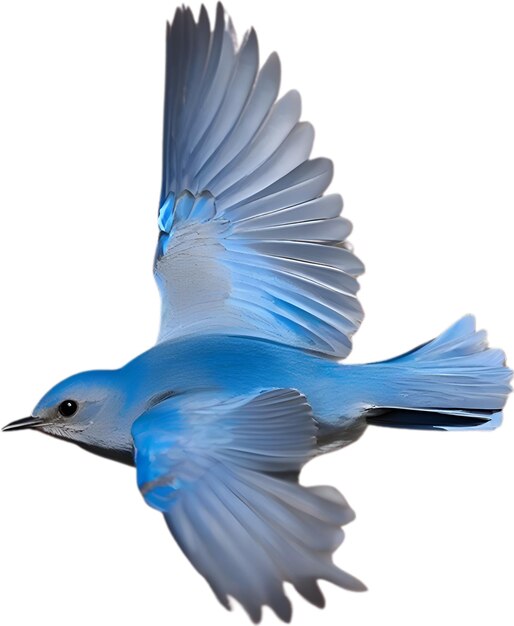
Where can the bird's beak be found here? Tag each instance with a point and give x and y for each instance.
(25, 422)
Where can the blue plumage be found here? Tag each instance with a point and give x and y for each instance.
(259, 304)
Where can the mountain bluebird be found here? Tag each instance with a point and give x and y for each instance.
(245, 384)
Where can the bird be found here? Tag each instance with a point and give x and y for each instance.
(246, 383)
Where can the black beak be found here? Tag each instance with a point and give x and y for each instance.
(25, 422)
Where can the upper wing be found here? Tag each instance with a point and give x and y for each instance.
(225, 474)
(248, 244)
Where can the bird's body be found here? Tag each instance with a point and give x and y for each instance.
(342, 397)
(259, 305)
(227, 366)
(243, 366)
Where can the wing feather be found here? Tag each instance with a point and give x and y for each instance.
(221, 470)
(248, 244)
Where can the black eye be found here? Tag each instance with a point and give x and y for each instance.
(68, 408)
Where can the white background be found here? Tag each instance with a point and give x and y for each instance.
(414, 102)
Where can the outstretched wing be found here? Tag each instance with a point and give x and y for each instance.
(248, 244)
(225, 474)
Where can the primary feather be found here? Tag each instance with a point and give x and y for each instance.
(248, 244)
(224, 473)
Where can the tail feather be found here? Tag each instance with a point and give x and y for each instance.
(459, 341)
(453, 382)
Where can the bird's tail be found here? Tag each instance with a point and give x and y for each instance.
(452, 382)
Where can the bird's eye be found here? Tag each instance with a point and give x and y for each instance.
(68, 408)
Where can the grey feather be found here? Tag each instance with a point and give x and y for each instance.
(220, 469)
(243, 218)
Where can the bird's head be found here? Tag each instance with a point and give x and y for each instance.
(84, 409)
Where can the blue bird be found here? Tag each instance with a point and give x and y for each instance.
(245, 384)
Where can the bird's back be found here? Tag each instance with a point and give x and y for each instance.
(239, 366)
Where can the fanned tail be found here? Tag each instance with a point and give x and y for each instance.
(452, 382)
